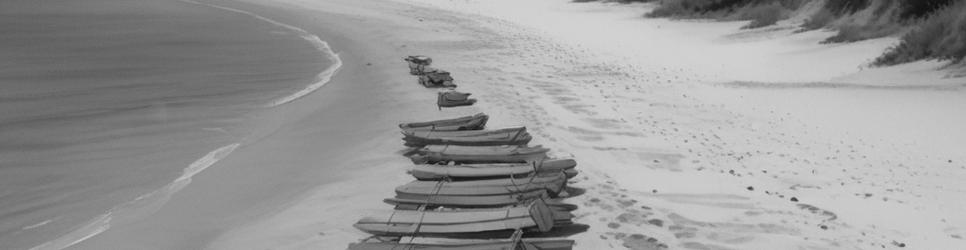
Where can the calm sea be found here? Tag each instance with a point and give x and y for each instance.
(106, 101)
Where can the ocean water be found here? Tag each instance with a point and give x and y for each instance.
(109, 106)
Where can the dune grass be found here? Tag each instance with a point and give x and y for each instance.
(938, 26)
(761, 13)
(941, 35)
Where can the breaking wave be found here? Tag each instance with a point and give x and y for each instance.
(151, 202)
(144, 204)
(321, 79)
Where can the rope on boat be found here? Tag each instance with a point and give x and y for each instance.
(422, 209)
(519, 132)
(516, 239)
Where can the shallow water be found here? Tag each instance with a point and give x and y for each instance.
(103, 101)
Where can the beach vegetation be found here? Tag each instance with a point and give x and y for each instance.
(763, 15)
(929, 29)
(941, 35)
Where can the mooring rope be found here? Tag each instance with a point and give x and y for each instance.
(422, 209)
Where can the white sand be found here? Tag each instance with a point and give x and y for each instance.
(671, 124)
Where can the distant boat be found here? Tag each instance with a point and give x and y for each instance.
(536, 216)
(474, 122)
(417, 64)
(436, 78)
(463, 244)
(482, 154)
(508, 136)
(492, 170)
(451, 99)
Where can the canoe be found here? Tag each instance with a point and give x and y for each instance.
(473, 122)
(465, 133)
(401, 203)
(511, 136)
(451, 99)
(535, 216)
(499, 200)
(559, 211)
(553, 183)
(478, 154)
(451, 244)
(470, 171)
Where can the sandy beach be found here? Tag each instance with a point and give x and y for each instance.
(688, 134)
(678, 145)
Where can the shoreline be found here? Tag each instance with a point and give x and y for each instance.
(148, 203)
(699, 167)
(324, 137)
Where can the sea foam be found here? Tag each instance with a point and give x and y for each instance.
(144, 204)
(321, 79)
(151, 202)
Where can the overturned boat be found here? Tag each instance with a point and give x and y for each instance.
(478, 154)
(436, 78)
(451, 99)
(536, 216)
(492, 170)
(509, 136)
(417, 64)
(473, 122)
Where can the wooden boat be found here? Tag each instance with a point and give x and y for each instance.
(478, 154)
(464, 133)
(536, 216)
(477, 171)
(436, 78)
(473, 122)
(500, 200)
(509, 136)
(463, 244)
(417, 64)
(451, 99)
(553, 183)
(477, 201)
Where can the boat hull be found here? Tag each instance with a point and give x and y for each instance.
(481, 154)
(536, 216)
(474, 122)
(529, 244)
(478, 171)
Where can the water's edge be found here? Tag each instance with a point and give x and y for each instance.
(151, 202)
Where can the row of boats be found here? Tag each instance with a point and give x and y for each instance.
(436, 78)
(474, 189)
